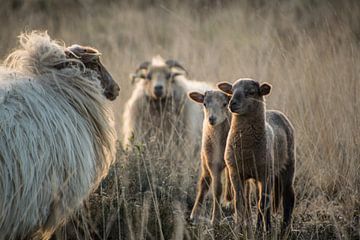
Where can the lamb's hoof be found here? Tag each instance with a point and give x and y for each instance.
(285, 232)
(194, 220)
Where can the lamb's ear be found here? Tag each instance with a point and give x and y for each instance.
(196, 96)
(265, 89)
(225, 87)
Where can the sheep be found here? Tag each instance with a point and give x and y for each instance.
(216, 125)
(57, 136)
(260, 146)
(158, 107)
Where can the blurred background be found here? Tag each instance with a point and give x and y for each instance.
(308, 50)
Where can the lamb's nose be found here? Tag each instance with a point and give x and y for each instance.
(212, 120)
(233, 103)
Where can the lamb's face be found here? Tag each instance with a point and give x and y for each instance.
(91, 59)
(215, 105)
(158, 82)
(246, 95)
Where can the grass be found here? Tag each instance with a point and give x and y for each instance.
(308, 51)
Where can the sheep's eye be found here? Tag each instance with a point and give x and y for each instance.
(224, 104)
(251, 93)
(204, 104)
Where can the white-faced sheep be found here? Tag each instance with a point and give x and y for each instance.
(158, 107)
(216, 126)
(260, 146)
(57, 138)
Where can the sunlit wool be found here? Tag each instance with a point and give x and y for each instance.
(56, 137)
(174, 114)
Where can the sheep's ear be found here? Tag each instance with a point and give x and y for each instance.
(196, 96)
(225, 87)
(140, 72)
(265, 89)
(83, 53)
(133, 78)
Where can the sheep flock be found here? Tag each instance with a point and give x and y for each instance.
(58, 141)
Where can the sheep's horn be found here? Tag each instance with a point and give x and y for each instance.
(144, 65)
(173, 63)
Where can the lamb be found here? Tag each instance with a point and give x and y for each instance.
(216, 126)
(158, 107)
(57, 136)
(260, 146)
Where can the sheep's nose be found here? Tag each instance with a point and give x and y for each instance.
(112, 92)
(212, 120)
(158, 90)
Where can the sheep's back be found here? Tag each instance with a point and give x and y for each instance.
(283, 138)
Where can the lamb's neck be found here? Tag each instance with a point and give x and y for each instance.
(217, 134)
(251, 127)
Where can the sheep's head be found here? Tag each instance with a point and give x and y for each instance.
(158, 76)
(215, 105)
(90, 57)
(247, 95)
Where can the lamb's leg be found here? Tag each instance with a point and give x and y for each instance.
(264, 206)
(203, 187)
(228, 189)
(247, 200)
(277, 193)
(237, 191)
(216, 189)
(287, 181)
(288, 205)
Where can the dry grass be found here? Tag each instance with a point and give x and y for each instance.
(308, 51)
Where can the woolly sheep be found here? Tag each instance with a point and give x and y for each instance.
(260, 146)
(57, 138)
(216, 126)
(158, 107)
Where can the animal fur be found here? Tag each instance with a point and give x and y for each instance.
(57, 138)
(260, 146)
(216, 125)
(170, 116)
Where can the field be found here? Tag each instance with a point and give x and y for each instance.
(308, 50)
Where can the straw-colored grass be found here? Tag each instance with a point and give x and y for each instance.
(308, 50)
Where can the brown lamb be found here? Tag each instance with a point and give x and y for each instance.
(216, 126)
(260, 146)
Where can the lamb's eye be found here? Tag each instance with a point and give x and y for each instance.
(204, 104)
(251, 93)
(224, 104)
